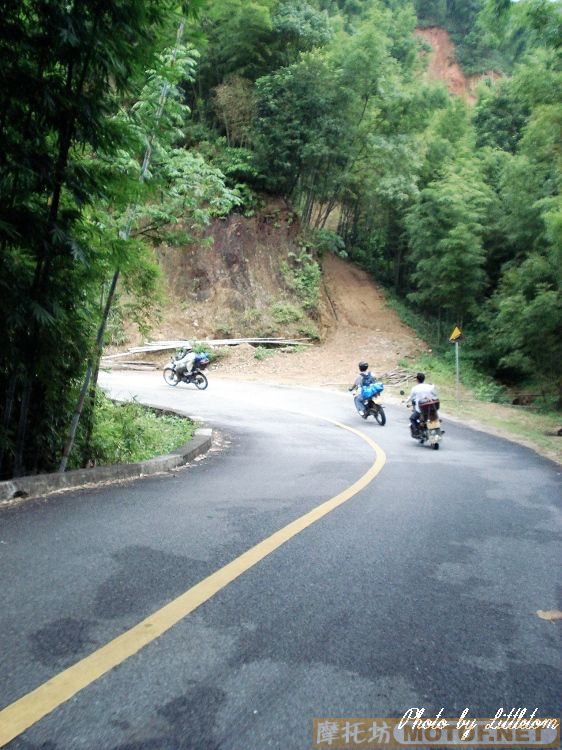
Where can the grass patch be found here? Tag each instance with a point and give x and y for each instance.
(129, 432)
(265, 330)
(251, 316)
(285, 312)
(262, 352)
(218, 353)
(225, 329)
(482, 387)
(303, 275)
(310, 331)
(426, 329)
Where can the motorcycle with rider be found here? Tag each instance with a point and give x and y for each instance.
(367, 394)
(425, 424)
(187, 367)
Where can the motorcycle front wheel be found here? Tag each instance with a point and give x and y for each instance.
(170, 376)
(200, 381)
(380, 416)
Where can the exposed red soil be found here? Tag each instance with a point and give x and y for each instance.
(443, 65)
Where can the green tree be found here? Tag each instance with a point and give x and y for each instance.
(431, 12)
(445, 230)
(500, 116)
(234, 103)
(524, 318)
(298, 27)
(299, 127)
(448, 136)
(238, 41)
(193, 192)
(65, 71)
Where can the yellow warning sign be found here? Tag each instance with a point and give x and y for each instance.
(456, 335)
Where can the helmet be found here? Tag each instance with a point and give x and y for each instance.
(363, 366)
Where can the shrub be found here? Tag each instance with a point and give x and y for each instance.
(262, 352)
(284, 312)
(310, 331)
(214, 353)
(327, 241)
(130, 432)
(303, 276)
(225, 329)
(251, 315)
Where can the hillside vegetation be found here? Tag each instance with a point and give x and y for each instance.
(112, 150)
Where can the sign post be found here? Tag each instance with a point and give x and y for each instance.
(455, 338)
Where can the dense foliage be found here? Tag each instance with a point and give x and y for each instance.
(117, 133)
(88, 150)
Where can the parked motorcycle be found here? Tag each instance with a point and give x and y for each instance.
(372, 402)
(429, 428)
(196, 375)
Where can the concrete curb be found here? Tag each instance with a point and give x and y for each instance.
(42, 484)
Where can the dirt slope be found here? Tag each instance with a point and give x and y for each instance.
(361, 327)
(230, 288)
(357, 325)
(226, 288)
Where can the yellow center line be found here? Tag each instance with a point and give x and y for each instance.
(30, 708)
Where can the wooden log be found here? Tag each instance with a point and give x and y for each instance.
(161, 346)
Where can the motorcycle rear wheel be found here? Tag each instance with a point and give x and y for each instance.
(200, 381)
(379, 415)
(170, 376)
(435, 446)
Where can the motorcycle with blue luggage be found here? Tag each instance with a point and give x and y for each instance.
(196, 375)
(372, 401)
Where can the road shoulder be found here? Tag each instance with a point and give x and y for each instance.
(20, 488)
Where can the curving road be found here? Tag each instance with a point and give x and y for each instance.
(419, 586)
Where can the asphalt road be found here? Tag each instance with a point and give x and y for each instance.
(421, 589)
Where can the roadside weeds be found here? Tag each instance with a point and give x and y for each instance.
(25, 488)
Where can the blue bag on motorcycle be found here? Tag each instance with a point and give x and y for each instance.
(373, 389)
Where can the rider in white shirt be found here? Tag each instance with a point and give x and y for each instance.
(421, 392)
